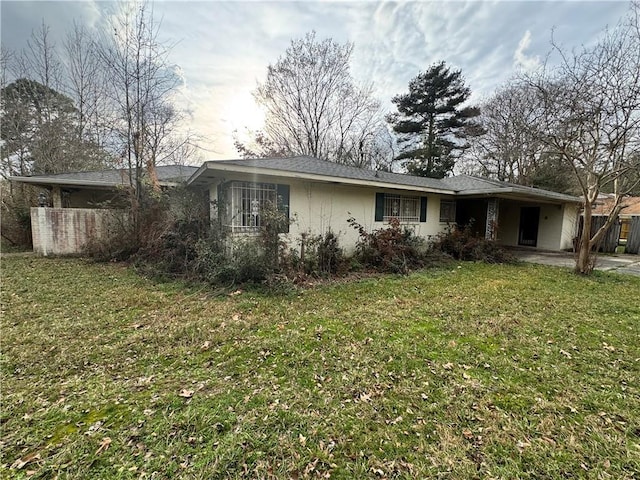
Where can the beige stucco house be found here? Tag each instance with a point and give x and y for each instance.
(321, 196)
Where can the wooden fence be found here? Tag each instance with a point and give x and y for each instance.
(633, 238)
(612, 238)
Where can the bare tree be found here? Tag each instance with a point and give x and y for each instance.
(510, 147)
(589, 114)
(40, 61)
(142, 82)
(86, 85)
(313, 106)
(507, 150)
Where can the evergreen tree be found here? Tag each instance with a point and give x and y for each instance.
(39, 132)
(431, 123)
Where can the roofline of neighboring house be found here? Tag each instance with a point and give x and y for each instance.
(218, 166)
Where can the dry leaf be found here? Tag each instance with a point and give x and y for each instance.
(302, 439)
(447, 366)
(184, 393)
(104, 445)
(21, 462)
(468, 434)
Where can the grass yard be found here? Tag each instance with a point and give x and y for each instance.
(473, 371)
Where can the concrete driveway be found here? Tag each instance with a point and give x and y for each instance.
(620, 263)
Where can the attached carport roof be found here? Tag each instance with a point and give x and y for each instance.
(168, 175)
(470, 186)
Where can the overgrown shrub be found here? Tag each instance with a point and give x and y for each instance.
(462, 244)
(394, 249)
(15, 215)
(321, 255)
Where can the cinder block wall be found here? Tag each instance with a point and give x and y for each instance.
(64, 231)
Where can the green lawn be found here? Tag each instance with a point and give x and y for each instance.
(472, 371)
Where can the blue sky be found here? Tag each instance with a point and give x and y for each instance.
(223, 47)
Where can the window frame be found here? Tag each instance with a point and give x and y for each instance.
(245, 201)
(402, 203)
(447, 214)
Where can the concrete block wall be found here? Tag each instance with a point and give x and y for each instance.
(65, 231)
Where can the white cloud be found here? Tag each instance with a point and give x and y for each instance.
(223, 48)
(520, 57)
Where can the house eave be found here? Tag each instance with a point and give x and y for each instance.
(515, 194)
(200, 177)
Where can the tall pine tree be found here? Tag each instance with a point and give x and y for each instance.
(431, 123)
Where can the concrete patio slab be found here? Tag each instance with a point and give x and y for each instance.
(619, 263)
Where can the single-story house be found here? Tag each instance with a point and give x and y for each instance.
(322, 196)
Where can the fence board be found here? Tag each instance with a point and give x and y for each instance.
(610, 241)
(612, 237)
(633, 239)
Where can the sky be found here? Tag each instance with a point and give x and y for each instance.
(223, 48)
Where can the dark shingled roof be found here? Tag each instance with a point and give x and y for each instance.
(470, 185)
(166, 174)
(314, 166)
(462, 185)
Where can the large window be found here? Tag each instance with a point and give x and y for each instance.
(405, 208)
(447, 211)
(246, 201)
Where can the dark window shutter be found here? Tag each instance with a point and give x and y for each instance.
(423, 209)
(379, 207)
(282, 192)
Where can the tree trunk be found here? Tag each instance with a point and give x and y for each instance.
(585, 260)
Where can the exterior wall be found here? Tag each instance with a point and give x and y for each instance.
(508, 222)
(556, 228)
(64, 231)
(319, 207)
(569, 226)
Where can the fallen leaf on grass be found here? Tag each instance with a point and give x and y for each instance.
(566, 354)
(184, 393)
(104, 445)
(21, 462)
(550, 441)
(302, 439)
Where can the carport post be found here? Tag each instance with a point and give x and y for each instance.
(491, 227)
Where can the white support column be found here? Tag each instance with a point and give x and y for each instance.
(491, 227)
